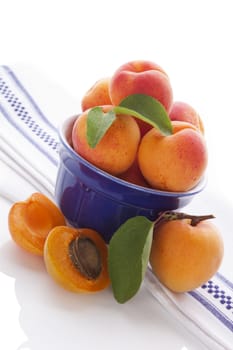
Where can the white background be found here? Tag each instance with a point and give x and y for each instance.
(77, 42)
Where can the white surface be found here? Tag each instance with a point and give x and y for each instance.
(75, 43)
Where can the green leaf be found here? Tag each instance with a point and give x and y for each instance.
(129, 251)
(141, 106)
(98, 123)
(147, 109)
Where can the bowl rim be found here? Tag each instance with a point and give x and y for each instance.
(66, 126)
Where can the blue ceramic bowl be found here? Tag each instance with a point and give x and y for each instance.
(90, 197)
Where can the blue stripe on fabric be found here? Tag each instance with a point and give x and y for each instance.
(213, 309)
(29, 97)
(10, 119)
(44, 135)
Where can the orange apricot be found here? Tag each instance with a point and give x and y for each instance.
(134, 175)
(184, 255)
(141, 77)
(116, 151)
(175, 162)
(31, 220)
(77, 259)
(97, 95)
(185, 112)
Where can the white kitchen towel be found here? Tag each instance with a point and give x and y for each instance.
(28, 140)
(29, 160)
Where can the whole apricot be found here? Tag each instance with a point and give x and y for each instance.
(185, 112)
(175, 162)
(134, 175)
(141, 77)
(116, 151)
(77, 259)
(184, 256)
(97, 95)
(31, 220)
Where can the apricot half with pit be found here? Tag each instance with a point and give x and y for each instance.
(77, 259)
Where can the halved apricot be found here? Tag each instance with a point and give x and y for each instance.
(31, 220)
(77, 259)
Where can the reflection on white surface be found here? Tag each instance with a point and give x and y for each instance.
(10, 308)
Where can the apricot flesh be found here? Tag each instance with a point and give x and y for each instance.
(31, 220)
(175, 162)
(183, 257)
(116, 151)
(59, 263)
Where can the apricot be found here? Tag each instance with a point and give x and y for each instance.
(97, 95)
(116, 151)
(143, 126)
(184, 255)
(77, 259)
(134, 175)
(176, 162)
(31, 220)
(185, 112)
(141, 77)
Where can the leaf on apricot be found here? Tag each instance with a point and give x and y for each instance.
(149, 110)
(129, 251)
(141, 106)
(98, 123)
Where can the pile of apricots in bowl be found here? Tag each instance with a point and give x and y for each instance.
(130, 128)
(132, 148)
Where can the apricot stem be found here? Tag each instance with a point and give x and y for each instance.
(172, 215)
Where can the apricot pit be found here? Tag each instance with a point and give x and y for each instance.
(86, 257)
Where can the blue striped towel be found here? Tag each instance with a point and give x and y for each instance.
(29, 149)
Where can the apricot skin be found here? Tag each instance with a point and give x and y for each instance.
(133, 175)
(141, 77)
(31, 220)
(183, 257)
(116, 151)
(185, 112)
(60, 266)
(97, 95)
(175, 162)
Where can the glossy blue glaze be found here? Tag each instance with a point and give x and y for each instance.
(90, 197)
